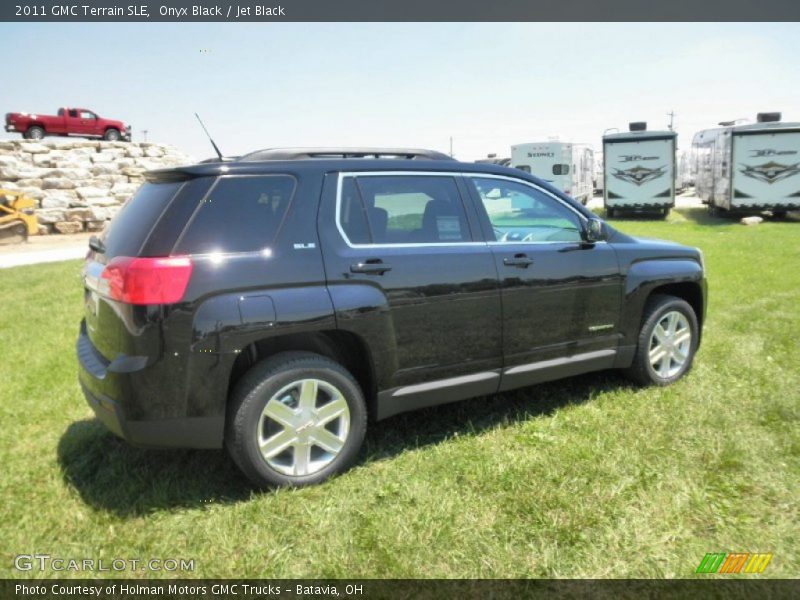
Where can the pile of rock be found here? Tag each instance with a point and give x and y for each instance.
(80, 184)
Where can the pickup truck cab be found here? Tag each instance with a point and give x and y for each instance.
(69, 121)
(278, 302)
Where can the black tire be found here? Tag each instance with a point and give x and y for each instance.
(610, 212)
(779, 214)
(658, 307)
(665, 213)
(112, 135)
(35, 132)
(255, 390)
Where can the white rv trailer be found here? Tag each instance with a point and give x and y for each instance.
(682, 171)
(639, 170)
(751, 167)
(569, 167)
(598, 173)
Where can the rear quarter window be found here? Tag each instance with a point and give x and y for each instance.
(239, 214)
(129, 229)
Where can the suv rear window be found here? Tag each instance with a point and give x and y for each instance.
(130, 227)
(239, 214)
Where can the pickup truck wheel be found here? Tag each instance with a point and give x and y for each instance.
(295, 419)
(667, 342)
(35, 133)
(112, 135)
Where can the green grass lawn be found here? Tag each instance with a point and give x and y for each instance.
(588, 477)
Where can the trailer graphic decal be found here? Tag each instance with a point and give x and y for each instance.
(770, 152)
(639, 174)
(770, 172)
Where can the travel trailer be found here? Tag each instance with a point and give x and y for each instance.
(639, 171)
(569, 167)
(683, 175)
(598, 173)
(491, 159)
(754, 167)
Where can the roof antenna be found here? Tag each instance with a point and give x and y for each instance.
(209, 137)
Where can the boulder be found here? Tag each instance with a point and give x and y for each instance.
(91, 192)
(34, 148)
(56, 201)
(77, 214)
(95, 225)
(58, 183)
(43, 229)
(68, 227)
(50, 215)
(101, 201)
(751, 220)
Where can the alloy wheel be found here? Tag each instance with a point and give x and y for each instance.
(303, 427)
(670, 344)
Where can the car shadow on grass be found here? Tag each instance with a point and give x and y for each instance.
(111, 475)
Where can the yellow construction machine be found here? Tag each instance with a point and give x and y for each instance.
(17, 219)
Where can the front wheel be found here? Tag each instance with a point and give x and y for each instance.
(112, 135)
(667, 342)
(295, 419)
(35, 133)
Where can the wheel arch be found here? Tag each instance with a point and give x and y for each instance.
(682, 278)
(689, 291)
(344, 347)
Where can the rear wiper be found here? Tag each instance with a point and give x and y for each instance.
(96, 244)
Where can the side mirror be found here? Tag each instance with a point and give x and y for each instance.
(595, 231)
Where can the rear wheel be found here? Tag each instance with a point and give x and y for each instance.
(14, 234)
(112, 135)
(35, 132)
(295, 419)
(667, 342)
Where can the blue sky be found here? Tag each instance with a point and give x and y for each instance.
(414, 84)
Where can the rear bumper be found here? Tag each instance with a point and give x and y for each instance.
(639, 206)
(111, 395)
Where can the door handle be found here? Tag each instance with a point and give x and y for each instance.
(372, 266)
(521, 261)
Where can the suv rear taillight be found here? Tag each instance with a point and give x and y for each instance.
(147, 280)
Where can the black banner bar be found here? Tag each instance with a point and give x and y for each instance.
(398, 10)
(369, 589)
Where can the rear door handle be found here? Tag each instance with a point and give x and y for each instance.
(521, 261)
(372, 266)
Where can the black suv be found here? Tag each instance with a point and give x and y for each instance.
(277, 302)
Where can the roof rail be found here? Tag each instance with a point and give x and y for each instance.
(322, 153)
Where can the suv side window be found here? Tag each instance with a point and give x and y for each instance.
(239, 214)
(521, 213)
(403, 209)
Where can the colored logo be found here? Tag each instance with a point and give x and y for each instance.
(639, 174)
(771, 171)
(734, 563)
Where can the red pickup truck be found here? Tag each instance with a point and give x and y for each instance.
(69, 121)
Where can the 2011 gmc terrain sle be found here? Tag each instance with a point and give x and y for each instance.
(277, 302)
